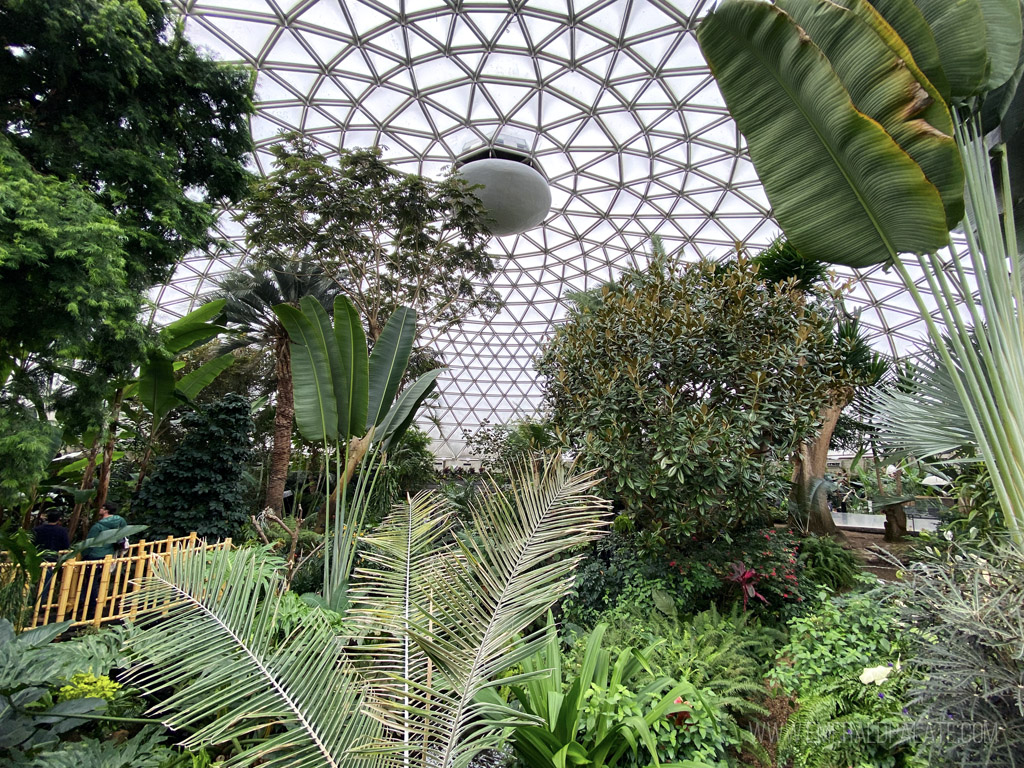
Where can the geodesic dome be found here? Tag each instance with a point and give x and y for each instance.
(613, 100)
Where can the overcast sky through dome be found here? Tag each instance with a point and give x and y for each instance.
(615, 102)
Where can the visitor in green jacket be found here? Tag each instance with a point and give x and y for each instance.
(108, 520)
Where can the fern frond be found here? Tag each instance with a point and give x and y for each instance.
(209, 636)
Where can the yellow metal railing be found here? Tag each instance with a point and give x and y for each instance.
(93, 591)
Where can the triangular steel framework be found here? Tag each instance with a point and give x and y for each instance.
(616, 102)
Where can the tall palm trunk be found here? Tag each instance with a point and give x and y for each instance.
(284, 418)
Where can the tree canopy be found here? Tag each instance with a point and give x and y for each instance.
(117, 141)
(690, 387)
(388, 239)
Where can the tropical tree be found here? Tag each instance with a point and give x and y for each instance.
(346, 400)
(863, 121)
(386, 238)
(118, 139)
(434, 621)
(250, 297)
(691, 386)
(855, 366)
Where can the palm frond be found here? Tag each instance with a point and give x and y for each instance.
(477, 600)
(208, 634)
(921, 414)
(394, 561)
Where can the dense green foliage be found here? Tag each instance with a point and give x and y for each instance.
(845, 663)
(620, 578)
(50, 683)
(825, 561)
(110, 94)
(690, 388)
(199, 487)
(27, 445)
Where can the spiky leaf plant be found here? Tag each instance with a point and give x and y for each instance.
(435, 622)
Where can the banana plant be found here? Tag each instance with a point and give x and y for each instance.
(864, 121)
(345, 399)
(433, 623)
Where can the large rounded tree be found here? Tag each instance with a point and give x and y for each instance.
(690, 386)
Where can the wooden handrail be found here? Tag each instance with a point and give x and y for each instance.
(93, 591)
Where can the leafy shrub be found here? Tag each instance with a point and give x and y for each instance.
(611, 711)
(200, 487)
(44, 685)
(618, 575)
(844, 721)
(826, 562)
(770, 554)
(725, 654)
(841, 637)
(690, 386)
(843, 661)
(85, 685)
(967, 704)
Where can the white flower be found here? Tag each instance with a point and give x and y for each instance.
(876, 675)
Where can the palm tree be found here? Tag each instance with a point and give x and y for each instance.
(433, 622)
(251, 296)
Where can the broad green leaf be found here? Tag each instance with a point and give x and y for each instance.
(888, 92)
(908, 21)
(959, 29)
(192, 337)
(316, 412)
(401, 414)
(353, 396)
(1003, 108)
(1002, 39)
(78, 465)
(323, 332)
(841, 188)
(194, 383)
(195, 328)
(204, 314)
(388, 361)
(156, 386)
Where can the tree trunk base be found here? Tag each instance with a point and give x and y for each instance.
(895, 522)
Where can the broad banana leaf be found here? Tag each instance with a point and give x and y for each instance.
(193, 383)
(841, 188)
(400, 415)
(316, 410)
(388, 362)
(194, 329)
(156, 386)
(909, 23)
(960, 33)
(1002, 39)
(353, 397)
(323, 333)
(887, 91)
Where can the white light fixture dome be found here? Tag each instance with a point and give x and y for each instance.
(513, 191)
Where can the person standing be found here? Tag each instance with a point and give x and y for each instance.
(51, 536)
(108, 520)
